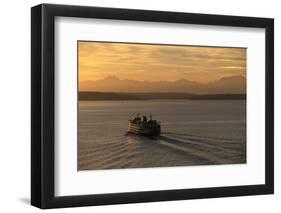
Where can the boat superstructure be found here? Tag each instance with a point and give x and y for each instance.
(140, 125)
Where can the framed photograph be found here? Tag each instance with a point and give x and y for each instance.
(139, 106)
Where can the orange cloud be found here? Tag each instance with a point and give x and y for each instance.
(145, 62)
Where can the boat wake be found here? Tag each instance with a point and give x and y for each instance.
(212, 150)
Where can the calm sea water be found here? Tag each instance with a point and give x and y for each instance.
(201, 132)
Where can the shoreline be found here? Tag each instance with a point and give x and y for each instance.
(116, 96)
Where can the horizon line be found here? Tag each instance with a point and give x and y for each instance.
(167, 93)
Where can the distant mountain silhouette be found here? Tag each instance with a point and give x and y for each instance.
(230, 85)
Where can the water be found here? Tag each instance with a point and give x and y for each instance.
(206, 132)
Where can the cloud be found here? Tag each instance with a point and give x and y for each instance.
(161, 62)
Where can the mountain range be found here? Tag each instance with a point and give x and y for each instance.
(225, 85)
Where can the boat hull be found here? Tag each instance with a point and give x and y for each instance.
(143, 130)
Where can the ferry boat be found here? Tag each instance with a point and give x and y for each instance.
(140, 125)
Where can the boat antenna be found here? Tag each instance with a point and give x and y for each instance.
(150, 116)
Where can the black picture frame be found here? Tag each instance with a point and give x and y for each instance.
(43, 111)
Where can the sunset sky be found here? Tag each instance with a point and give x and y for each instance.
(142, 62)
